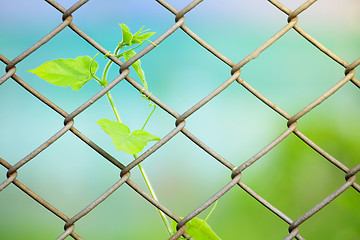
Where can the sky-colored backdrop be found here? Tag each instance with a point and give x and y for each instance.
(69, 175)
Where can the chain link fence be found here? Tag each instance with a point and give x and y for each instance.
(236, 172)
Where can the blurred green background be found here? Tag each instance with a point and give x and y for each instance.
(291, 73)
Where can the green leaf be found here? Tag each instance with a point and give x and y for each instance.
(138, 38)
(136, 65)
(198, 229)
(127, 36)
(141, 38)
(123, 140)
(67, 72)
(139, 31)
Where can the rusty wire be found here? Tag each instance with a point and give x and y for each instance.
(235, 70)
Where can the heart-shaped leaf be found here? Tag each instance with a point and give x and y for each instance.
(199, 229)
(123, 140)
(67, 72)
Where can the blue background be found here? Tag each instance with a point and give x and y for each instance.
(291, 73)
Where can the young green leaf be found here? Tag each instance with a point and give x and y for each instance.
(141, 38)
(139, 31)
(138, 38)
(127, 36)
(67, 72)
(198, 229)
(123, 140)
(136, 65)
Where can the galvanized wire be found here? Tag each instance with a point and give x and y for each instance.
(235, 70)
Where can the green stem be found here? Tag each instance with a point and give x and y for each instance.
(150, 104)
(152, 193)
(103, 83)
(137, 46)
(113, 107)
(107, 67)
(93, 75)
(213, 208)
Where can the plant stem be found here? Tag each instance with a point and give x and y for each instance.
(113, 107)
(213, 208)
(107, 67)
(152, 193)
(150, 104)
(103, 82)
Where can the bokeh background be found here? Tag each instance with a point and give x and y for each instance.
(291, 73)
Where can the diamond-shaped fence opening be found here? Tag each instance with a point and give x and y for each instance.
(274, 171)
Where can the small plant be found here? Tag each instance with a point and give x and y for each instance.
(77, 72)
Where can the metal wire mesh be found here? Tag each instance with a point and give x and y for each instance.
(236, 171)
